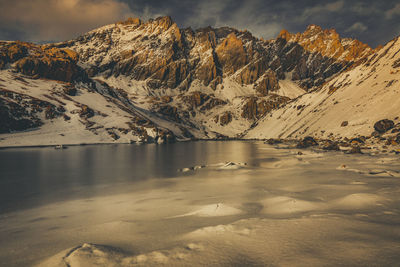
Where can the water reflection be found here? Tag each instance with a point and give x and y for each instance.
(36, 176)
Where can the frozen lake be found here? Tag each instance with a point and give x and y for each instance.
(128, 205)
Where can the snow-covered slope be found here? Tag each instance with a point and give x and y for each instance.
(91, 115)
(346, 106)
(152, 81)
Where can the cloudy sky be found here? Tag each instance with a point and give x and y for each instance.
(371, 21)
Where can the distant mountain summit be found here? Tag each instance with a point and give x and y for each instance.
(168, 57)
(152, 81)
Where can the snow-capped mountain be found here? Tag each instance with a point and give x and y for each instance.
(152, 81)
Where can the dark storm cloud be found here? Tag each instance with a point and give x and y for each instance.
(374, 22)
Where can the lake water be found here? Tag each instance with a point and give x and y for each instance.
(136, 208)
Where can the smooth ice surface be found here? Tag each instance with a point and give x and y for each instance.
(124, 205)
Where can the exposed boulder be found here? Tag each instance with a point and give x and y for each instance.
(383, 126)
(70, 90)
(86, 112)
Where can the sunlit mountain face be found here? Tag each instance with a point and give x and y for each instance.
(211, 133)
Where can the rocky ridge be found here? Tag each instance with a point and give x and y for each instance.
(359, 104)
(180, 83)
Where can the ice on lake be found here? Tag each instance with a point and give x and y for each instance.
(131, 206)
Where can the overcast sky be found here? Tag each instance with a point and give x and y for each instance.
(373, 22)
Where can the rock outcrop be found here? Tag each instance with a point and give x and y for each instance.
(41, 61)
(383, 126)
(164, 56)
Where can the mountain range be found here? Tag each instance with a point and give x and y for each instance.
(154, 82)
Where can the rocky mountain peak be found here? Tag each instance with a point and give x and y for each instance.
(328, 43)
(164, 22)
(129, 21)
(284, 34)
(313, 29)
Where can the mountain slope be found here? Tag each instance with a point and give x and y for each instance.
(151, 81)
(346, 106)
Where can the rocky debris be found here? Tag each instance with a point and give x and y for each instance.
(166, 99)
(70, 90)
(86, 112)
(201, 101)
(20, 112)
(225, 118)
(273, 141)
(355, 150)
(375, 134)
(169, 111)
(186, 133)
(330, 145)
(195, 99)
(165, 137)
(52, 112)
(357, 141)
(12, 119)
(383, 126)
(112, 133)
(344, 124)
(141, 132)
(307, 142)
(213, 102)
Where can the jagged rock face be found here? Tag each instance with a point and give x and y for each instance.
(165, 56)
(269, 82)
(225, 118)
(254, 108)
(185, 77)
(231, 54)
(328, 43)
(42, 61)
(317, 54)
